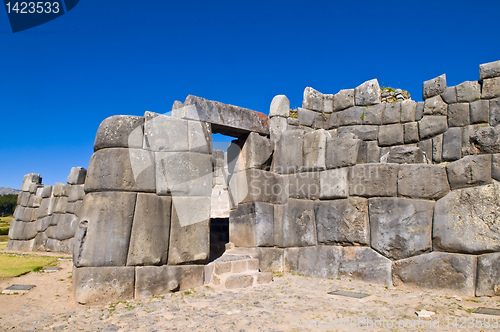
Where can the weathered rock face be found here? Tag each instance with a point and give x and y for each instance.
(120, 131)
(294, 224)
(488, 275)
(318, 261)
(467, 220)
(422, 181)
(367, 93)
(252, 225)
(434, 87)
(365, 264)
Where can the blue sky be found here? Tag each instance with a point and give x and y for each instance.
(61, 79)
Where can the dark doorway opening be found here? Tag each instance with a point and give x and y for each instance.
(219, 236)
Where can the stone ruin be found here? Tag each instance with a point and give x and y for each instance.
(400, 193)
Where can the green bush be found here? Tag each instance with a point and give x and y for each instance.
(4, 230)
(7, 204)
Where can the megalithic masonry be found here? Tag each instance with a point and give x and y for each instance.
(28, 14)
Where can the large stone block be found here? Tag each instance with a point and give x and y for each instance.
(20, 230)
(257, 151)
(312, 118)
(60, 189)
(318, 261)
(189, 230)
(422, 181)
(29, 179)
(199, 137)
(406, 155)
(490, 69)
(408, 110)
(20, 245)
(313, 100)
(160, 280)
(351, 116)
(480, 111)
(343, 99)
(495, 167)
(469, 171)
(294, 224)
(165, 133)
(434, 87)
(419, 113)
(435, 106)
(46, 207)
(437, 148)
(120, 169)
(252, 225)
(484, 139)
(373, 115)
(370, 180)
(431, 126)
(119, 131)
(452, 144)
(100, 285)
(314, 150)
(280, 106)
(458, 115)
(76, 193)
(488, 275)
(41, 224)
(183, 173)
(342, 151)
(328, 103)
(411, 132)
(453, 273)
(491, 88)
(77, 175)
(271, 259)
(277, 125)
(494, 112)
(372, 152)
(150, 230)
(102, 238)
(449, 95)
(468, 91)
(255, 185)
(61, 205)
(305, 185)
(363, 132)
(467, 220)
(288, 152)
(367, 93)
(334, 183)
(66, 226)
(362, 263)
(400, 227)
(343, 221)
(392, 113)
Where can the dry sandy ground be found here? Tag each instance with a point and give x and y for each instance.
(289, 303)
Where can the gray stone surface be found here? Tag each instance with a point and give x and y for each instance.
(351, 116)
(61, 204)
(369, 180)
(372, 152)
(183, 173)
(437, 148)
(495, 111)
(101, 285)
(46, 207)
(468, 91)
(343, 221)
(328, 103)
(76, 193)
(392, 134)
(311, 118)
(431, 126)
(305, 185)
(400, 227)
(434, 87)
(469, 171)
(199, 137)
(238, 281)
(391, 113)
(488, 275)
(252, 225)
(342, 151)
(452, 144)
(467, 220)
(160, 280)
(277, 125)
(484, 139)
(120, 169)
(343, 99)
(453, 273)
(435, 106)
(102, 238)
(66, 227)
(410, 132)
(449, 95)
(29, 179)
(259, 186)
(491, 88)
(406, 155)
(20, 230)
(479, 111)
(458, 115)
(288, 152)
(334, 183)
(408, 110)
(270, 259)
(313, 100)
(363, 132)
(150, 230)
(189, 230)
(225, 119)
(60, 189)
(315, 150)
(490, 69)
(257, 151)
(76, 176)
(165, 133)
(362, 263)
(294, 224)
(419, 112)
(367, 93)
(422, 181)
(280, 106)
(119, 131)
(372, 115)
(319, 261)
(495, 167)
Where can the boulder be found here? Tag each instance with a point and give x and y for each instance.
(256, 151)
(406, 155)
(489, 70)
(449, 95)
(312, 118)
(351, 116)
(458, 115)
(76, 193)
(400, 227)
(435, 106)
(370, 180)
(431, 126)
(343, 99)
(488, 275)
(270, 259)
(334, 183)
(76, 176)
(469, 171)
(408, 110)
(485, 139)
(491, 88)
(313, 100)
(119, 131)
(165, 133)
(367, 93)
(423, 181)
(294, 224)
(363, 132)
(314, 150)
(453, 273)
(452, 144)
(373, 115)
(343, 221)
(342, 151)
(434, 87)
(468, 91)
(364, 263)
(66, 227)
(467, 220)
(410, 133)
(319, 261)
(150, 230)
(480, 111)
(392, 134)
(392, 113)
(252, 225)
(280, 106)
(29, 179)
(60, 189)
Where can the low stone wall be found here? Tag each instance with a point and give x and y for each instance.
(401, 193)
(46, 217)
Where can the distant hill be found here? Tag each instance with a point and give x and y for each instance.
(6, 191)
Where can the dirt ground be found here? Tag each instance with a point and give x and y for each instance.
(289, 303)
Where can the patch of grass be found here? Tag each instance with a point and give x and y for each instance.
(12, 265)
(294, 113)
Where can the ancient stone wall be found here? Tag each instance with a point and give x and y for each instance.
(46, 217)
(400, 193)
